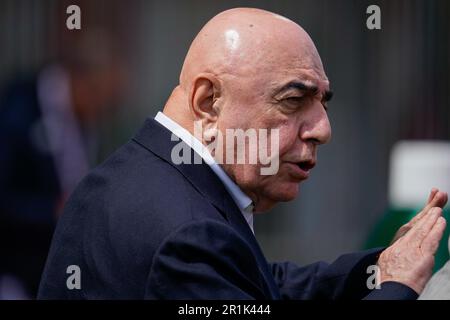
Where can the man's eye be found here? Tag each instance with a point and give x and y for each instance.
(292, 104)
(294, 99)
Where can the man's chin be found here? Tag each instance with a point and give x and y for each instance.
(286, 192)
(276, 195)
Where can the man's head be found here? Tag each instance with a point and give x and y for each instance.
(252, 69)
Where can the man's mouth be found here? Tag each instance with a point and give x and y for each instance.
(306, 165)
(300, 170)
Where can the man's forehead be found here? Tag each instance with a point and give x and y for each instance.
(301, 66)
(314, 79)
(297, 79)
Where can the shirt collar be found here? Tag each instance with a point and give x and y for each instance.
(243, 202)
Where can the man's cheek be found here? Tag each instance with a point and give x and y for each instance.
(288, 134)
(269, 151)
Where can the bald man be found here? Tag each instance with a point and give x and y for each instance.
(170, 214)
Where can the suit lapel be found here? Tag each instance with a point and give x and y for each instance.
(237, 221)
(156, 138)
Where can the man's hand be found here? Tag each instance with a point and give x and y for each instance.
(435, 199)
(410, 259)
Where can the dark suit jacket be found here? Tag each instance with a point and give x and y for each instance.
(139, 226)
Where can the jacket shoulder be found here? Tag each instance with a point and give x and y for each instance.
(117, 218)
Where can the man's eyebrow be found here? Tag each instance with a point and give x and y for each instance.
(309, 89)
(299, 86)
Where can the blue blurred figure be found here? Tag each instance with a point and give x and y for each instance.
(47, 144)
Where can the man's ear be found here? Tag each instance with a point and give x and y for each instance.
(205, 91)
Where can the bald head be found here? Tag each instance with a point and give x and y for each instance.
(247, 40)
(253, 69)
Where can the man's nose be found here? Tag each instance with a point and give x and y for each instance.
(317, 128)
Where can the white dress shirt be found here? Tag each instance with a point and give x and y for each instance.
(243, 202)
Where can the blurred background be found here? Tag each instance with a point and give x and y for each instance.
(68, 98)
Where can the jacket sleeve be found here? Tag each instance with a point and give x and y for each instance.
(345, 278)
(204, 260)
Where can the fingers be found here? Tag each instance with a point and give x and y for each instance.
(439, 200)
(427, 207)
(420, 230)
(432, 194)
(435, 199)
(431, 243)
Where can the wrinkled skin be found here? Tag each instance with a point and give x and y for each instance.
(249, 68)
